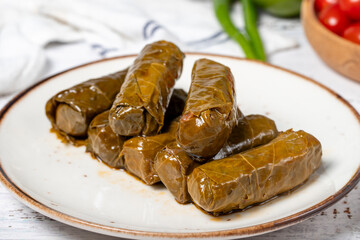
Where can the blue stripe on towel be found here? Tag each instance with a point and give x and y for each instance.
(102, 50)
(145, 28)
(215, 39)
(212, 37)
(154, 30)
(150, 28)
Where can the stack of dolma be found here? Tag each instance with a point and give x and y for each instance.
(199, 145)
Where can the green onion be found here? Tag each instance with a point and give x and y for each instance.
(222, 12)
(251, 29)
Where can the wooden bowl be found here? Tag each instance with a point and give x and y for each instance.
(340, 54)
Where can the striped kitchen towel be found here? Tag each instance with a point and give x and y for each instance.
(111, 27)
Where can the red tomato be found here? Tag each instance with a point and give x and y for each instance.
(322, 4)
(351, 8)
(352, 33)
(334, 19)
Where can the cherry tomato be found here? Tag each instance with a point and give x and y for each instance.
(352, 33)
(334, 19)
(322, 4)
(351, 8)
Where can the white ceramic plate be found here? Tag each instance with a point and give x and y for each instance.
(65, 183)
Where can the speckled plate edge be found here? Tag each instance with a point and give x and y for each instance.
(122, 232)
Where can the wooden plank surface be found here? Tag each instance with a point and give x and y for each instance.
(341, 221)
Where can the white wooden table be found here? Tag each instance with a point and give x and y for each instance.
(341, 221)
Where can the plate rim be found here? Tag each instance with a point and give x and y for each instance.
(115, 231)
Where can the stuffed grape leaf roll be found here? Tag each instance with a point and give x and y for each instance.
(251, 131)
(173, 165)
(255, 175)
(71, 111)
(176, 105)
(139, 153)
(103, 143)
(140, 106)
(210, 110)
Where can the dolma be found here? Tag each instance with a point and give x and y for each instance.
(173, 165)
(71, 111)
(140, 106)
(251, 131)
(176, 105)
(255, 175)
(139, 153)
(210, 110)
(103, 143)
(106, 145)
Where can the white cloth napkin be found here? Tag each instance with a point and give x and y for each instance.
(114, 26)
